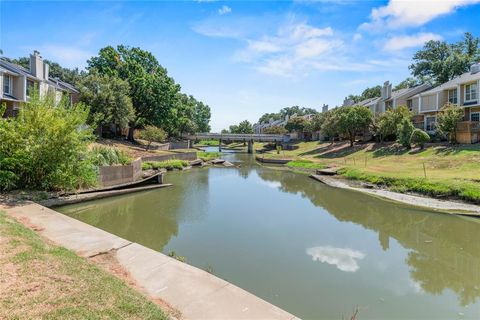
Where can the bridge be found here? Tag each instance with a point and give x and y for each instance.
(250, 138)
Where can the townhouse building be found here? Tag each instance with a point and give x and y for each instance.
(18, 83)
(462, 91)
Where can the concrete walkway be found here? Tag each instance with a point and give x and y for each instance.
(194, 292)
(430, 203)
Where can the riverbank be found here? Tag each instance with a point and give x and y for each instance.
(195, 293)
(439, 171)
(42, 280)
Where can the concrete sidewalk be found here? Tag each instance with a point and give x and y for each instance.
(194, 292)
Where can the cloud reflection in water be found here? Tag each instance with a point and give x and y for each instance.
(344, 259)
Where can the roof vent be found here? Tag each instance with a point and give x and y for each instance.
(475, 68)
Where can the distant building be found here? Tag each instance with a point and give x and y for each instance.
(17, 83)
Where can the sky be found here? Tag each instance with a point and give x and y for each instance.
(246, 58)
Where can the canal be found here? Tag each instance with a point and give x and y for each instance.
(315, 251)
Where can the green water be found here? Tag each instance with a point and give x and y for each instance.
(314, 251)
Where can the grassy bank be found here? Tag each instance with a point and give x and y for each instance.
(43, 281)
(207, 156)
(168, 164)
(305, 164)
(438, 170)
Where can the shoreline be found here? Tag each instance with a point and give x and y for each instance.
(441, 206)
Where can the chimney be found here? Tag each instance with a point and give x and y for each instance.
(475, 68)
(325, 108)
(46, 69)
(348, 102)
(386, 90)
(36, 65)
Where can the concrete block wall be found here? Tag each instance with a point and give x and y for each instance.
(114, 175)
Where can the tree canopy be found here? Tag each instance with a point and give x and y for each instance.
(287, 111)
(440, 61)
(368, 93)
(243, 127)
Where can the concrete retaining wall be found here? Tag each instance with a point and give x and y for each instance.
(113, 175)
(180, 145)
(180, 156)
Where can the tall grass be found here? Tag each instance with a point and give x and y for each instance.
(168, 164)
(108, 156)
(206, 156)
(305, 164)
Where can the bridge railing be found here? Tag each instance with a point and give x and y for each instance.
(239, 136)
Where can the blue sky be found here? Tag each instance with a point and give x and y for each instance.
(246, 58)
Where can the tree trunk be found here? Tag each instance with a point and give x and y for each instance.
(130, 134)
(352, 139)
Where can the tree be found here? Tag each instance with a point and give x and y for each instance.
(275, 130)
(109, 100)
(244, 127)
(156, 97)
(329, 127)
(152, 134)
(407, 83)
(296, 124)
(440, 62)
(45, 147)
(202, 117)
(419, 137)
(368, 93)
(351, 120)
(404, 132)
(387, 123)
(448, 119)
(267, 116)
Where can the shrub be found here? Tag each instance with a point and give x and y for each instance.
(45, 147)
(419, 137)
(387, 123)
(448, 119)
(152, 134)
(275, 130)
(107, 156)
(404, 132)
(168, 164)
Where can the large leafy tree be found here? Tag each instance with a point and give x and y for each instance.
(351, 120)
(202, 116)
(108, 98)
(296, 124)
(368, 93)
(156, 97)
(440, 61)
(387, 123)
(243, 127)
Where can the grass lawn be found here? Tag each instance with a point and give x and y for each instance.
(42, 281)
(439, 170)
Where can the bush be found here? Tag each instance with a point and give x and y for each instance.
(168, 164)
(152, 134)
(404, 132)
(419, 137)
(448, 119)
(45, 147)
(386, 125)
(107, 156)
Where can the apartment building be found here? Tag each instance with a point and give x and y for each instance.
(462, 91)
(17, 84)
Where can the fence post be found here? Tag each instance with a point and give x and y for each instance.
(424, 170)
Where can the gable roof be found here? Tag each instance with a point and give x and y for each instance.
(452, 84)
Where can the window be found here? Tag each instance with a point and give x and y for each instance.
(7, 84)
(30, 87)
(475, 116)
(452, 96)
(410, 105)
(470, 92)
(430, 123)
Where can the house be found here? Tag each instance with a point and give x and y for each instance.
(17, 83)
(389, 99)
(462, 91)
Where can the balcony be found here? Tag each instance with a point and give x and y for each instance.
(468, 131)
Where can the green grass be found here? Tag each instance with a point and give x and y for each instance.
(51, 282)
(206, 156)
(168, 164)
(305, 164)
(438, 170)
(466, 190)
(210, 143)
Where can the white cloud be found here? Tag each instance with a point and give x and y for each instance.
(224, 10)
(412, 13)
(344, 259)
(357, 37)
(398, 43)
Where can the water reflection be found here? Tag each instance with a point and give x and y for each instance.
(445, 250)
(345, 259)
(254, 231)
